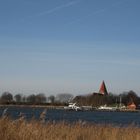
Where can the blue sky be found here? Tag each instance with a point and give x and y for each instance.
(69, 46)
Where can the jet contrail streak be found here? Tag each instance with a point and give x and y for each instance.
(57, 8)
(96, 12)
(53, 10)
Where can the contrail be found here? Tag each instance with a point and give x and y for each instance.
(57, 8)
(53, 10)
(97, 12)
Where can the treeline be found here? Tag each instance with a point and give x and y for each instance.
(35, 99)
(110, 99)
(93, 99)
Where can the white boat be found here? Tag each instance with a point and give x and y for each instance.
(72, 106)
(105, 107)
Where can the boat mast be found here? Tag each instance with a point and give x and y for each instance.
(120, 101)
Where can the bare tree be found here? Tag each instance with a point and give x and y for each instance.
(64, 97)
(31, 98)
(40, 98)
(6, 97)
(24, 99)
(18, 97)
(51, 98)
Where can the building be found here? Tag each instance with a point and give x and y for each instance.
(131, 106)
(102, 90)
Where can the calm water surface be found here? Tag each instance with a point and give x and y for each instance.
(119, 118)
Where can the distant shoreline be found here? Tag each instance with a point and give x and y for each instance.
(62, 107)
(35, 106)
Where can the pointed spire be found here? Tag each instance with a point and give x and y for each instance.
(103, 89)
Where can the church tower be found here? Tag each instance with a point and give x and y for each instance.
(103, 89)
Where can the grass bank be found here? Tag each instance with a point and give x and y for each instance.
(36, 130)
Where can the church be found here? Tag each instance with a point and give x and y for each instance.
(102, 90)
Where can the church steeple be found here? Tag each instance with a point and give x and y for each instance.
(103, 89)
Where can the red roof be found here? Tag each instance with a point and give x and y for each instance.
(131, 106)
(103, 89)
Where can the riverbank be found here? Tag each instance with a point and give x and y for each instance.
(37, 130)
(34, 106)
(62, 108)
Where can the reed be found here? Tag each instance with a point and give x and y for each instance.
(36, 130)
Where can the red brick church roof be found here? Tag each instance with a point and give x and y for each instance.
(103, 89)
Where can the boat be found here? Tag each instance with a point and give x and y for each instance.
(105, 107)
(72, 106)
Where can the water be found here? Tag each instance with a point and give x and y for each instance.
(117, 118)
